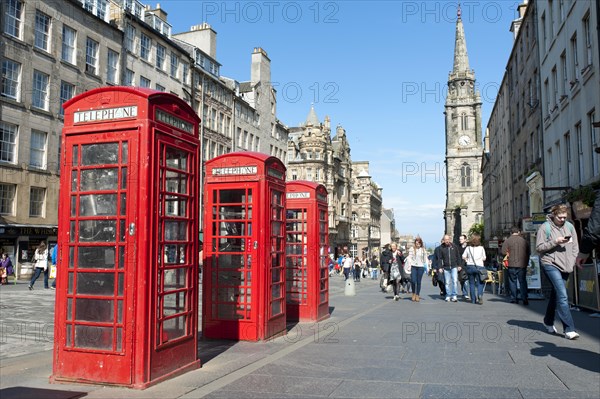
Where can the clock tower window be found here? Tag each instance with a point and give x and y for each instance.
(465, 175)
(464, 121)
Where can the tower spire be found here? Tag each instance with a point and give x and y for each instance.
(461, 59)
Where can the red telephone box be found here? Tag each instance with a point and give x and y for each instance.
(243, 295)
(307, 247)
(127, 285)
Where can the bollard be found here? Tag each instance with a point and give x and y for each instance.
(350, 289)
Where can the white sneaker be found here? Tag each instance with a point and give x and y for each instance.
(467, 297)
(551, 329)
(447, 299)
(454, 299)
(396, 297)
(571, 335)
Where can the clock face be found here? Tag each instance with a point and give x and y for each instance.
(464, 140)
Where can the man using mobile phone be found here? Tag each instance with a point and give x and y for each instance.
(557, 246)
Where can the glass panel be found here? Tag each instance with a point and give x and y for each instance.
(99, 154)
(123, 178)
(98, 204)
(99, 310)
(227, 244)
(69, 308)
(72, 235)
(94, 337)
(232, 229)
(96, 284)
(175, 206)
(275, 275)
(123, 207)
(124, 150)
(232, 196)
(119, 339)
(122, 230)
(97, 230)
(275, 308)
(74, 180)
(228, 261)
(70, 287)
(121, 285)
(68, 335)
(75, 160)
(177, 159)
(174, 278)
(99, 179)
(231, 278)
(73, 205)
(175, 231)
(226, 312)
(232, 212)
(121, 257)
(119, 311)
(173, 303)
(96, 257)
(275, 291)
(174, 328)
(176, 182)
(71, 257)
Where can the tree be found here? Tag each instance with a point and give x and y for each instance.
(477, 228)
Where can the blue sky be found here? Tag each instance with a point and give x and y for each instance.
(378, 68)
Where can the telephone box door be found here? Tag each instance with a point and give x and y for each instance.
(230, 249)
(100, 258)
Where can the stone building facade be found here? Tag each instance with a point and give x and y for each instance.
(366, 212)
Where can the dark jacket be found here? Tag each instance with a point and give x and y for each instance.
(448, 257)
(385, 258)
(591, 234)
(518, 250)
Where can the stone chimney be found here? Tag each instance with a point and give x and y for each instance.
(202, 36)
(159, 12)
(261, 66)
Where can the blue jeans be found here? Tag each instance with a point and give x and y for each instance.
(475, 285)
(451, 277)
(36, 274)
(515, 273)
(416, 275)
(558, 305)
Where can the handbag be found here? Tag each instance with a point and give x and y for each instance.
(52, 271)
(505, 260)
(483, 273)
(395, 272)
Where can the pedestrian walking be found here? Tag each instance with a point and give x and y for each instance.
(591, 234)
(474, 257)
(448, 263)
(517, 249)
(417, 258)
(556, 242)
(347, 264)
(463, 279)
(357, 269)
(396, 260)
(374, 267)
(41, 265)
(6, 268)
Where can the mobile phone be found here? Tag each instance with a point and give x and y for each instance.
(567, 237)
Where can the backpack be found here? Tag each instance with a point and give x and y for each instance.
(547, 228)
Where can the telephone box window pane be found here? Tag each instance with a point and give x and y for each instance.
(276, 226)
(98, 310)
(230, 278)
(175, 206)
(69, 308)
(123, 208)
(75, 159)
(71, 256)
(93, 337)
(234, 196)
(99, 179)
(232, 229)
(231, 245)
(276, 275)
(119, 339)
(96, 284)
(121, 286)
(121, 257)
(119, 311)
(275, 308)
(72, 228)
(74, 180)
(98, 204)
(230, 261)
(70, 287)
(176, 182)
(233, 212)
(98, 231)
(122, 230)
(99, 154)
(174, 303)
(174, 328)
(68, 335)
(275, 291)
(174, 278)
(96, 258)
(124, 178)
(124, 149)
(226, 312)
(73, 205)
(175, 231)
(177, 159)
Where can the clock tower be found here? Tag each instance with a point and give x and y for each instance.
(464, 150)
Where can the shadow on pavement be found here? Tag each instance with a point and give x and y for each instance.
(577, 357)
(208, 349)
(37, 393)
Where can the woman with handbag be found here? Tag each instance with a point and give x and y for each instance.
(41, 265)
(396, 260)
(474, 256)
(417, 261)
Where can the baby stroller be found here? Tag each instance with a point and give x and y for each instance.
(405, 286)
